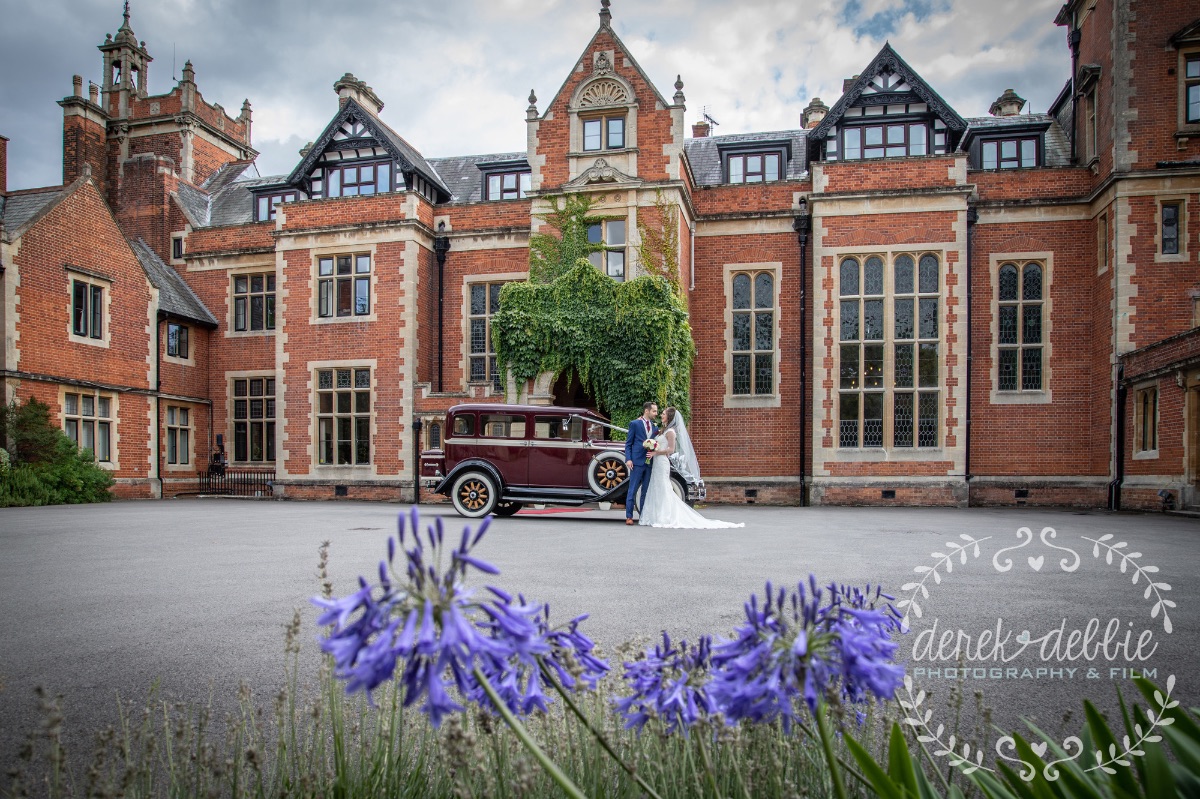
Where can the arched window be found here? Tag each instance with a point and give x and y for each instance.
(435, 435)
(753, 339)
(1019, 327)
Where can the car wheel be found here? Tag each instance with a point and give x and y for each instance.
(507, 508)
(607, 471)
(474, 495)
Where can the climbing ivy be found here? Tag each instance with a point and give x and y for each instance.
(659, 247)
(625, 342)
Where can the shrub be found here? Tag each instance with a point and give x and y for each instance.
(45, 467)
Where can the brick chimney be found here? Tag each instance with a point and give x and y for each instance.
(3, 165)
(1008, 104)
(848, 82)
(814, 112)
(349, 86)
(84, 135)
(700, 129)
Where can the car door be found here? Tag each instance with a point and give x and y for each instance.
(558, 455)
(502, 441)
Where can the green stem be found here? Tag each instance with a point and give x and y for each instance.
(599, 736)
(847, 767)
(835, 776)
(708, 769)
(936, 766)
(556, 774)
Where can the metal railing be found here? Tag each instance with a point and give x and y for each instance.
(238, 482)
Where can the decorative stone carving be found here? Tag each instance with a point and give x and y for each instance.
(602, 93)
(603, 65)
(601, 172)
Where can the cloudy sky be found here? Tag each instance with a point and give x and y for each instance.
(454, 75)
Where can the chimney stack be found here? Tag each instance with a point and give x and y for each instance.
(1008, 104)
(700, 129)
(348, 87)
(848, 82)
(3, 166)
(814, 112)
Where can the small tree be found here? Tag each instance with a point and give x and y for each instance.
(45, 467)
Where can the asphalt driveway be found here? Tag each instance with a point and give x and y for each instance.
(105, 600)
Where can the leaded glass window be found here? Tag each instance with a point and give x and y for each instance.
(753, 334)
(344, 416)
(1019, 326)
(254, 419)
(888, 375)
(484, 303)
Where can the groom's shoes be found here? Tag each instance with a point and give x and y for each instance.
(629, 521)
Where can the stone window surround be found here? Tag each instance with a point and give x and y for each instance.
(190, 358)
(575, 111)
(188, 465)
(77, 274)
(888, 452)
(1185, 129)
(1140, 390)
(731, 400)
(231, 417)
(334, 471)
(1046, 395)
(465, 350)
(317, 253)
(1184, 254)
(113, 464)
(259, 269)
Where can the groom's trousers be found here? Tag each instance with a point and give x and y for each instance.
(639, 481)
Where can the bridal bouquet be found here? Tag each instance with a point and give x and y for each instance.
(650, 444)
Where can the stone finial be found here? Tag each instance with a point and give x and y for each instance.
(678, 98)
(531, 112)
(247, 111)
(350, 87)
(77, 85)
(1008, 104)
(189, 74)
(814, 112)
(605, 14)
(305, 149)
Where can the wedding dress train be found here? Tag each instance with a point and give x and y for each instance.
(662, 508)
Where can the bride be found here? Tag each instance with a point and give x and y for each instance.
(662, 508)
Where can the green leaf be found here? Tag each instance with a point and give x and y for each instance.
(1106, 742)
(900, 763)
(881, 783)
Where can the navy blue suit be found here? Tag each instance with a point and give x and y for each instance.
(639, 475)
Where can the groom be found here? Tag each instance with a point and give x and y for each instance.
(636, 453)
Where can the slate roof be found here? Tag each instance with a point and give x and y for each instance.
(1057, 145)
(704, 155)
(17, 210)
(463, 177)
(234, 204)
(174, 295)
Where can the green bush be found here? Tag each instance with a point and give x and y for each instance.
(44, 467)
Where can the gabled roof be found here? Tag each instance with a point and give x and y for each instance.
(605, 27)
(19, 210)
(888, 59)
(410, 160)
(1188, 33)
(175, 297)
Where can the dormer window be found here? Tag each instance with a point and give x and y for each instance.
(1011, 153)
(506, 185)
(754, 167)
(885, 141)
(604, 133)
(354, 180)
(265, 206)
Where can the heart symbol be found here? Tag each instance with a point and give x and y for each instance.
(1039, 749)
(1023, 638)
(1036, 563)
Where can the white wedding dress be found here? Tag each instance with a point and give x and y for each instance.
(662, 508)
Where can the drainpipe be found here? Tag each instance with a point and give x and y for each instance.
(441, 246)
(1073, 38)
(802, 224)
(1114, 488)
(158, 401)
(416, 427)
(972, 220)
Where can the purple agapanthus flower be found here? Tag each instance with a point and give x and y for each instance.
(803, 644)
(669, 683)
(428, 624)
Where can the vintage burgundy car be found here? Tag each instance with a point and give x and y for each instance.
(498, 458)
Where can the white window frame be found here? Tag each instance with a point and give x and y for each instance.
(179, 443)
(774, 399)
(1046, 394)
(86, 408)
(91, 283)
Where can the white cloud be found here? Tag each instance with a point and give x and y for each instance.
(454, 76)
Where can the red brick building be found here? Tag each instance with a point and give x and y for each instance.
(910, 305)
